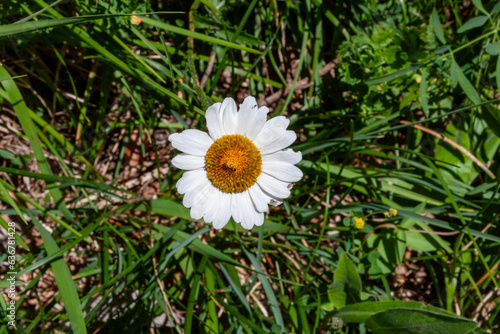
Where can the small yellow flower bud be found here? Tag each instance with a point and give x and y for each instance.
(136, 20)
(393, 212)
(359, 223)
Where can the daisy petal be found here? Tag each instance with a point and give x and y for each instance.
(287, 155)
(254, 219)
(272, 200)
(214, 121)
(229, 119)
(248, 111)
(219, 209)
(188, 161)
(196, 189)
(258, 219)
(191, 141)
(272, 130)
(259, 199)
(286, 140)
(256, 121)
(273, 186)
(282, 171)
(190, 180)
(241, 206)
(201, 203)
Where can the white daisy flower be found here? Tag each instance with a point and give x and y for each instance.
(239, 167)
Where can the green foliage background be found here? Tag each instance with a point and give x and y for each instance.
(399, 111)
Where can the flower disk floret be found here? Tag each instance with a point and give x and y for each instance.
(239, 167)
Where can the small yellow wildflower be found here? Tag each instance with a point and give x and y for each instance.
(393, 212)
(359, 223)
(136, 20)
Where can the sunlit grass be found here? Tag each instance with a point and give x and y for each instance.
(395, 106)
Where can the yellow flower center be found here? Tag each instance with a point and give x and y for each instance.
(233, 163)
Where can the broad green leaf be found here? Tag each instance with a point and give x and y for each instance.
(421, 241)
(460, 165)
(436, 25)
(495, 9)
(473, 23)
(395, 321)
(492, 49)
(346, 286)
(391, 245)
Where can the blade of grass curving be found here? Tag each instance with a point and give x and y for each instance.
(65, 181)
(212, 320)
(122, 66)
(32, 26)
(63, 141)
(64, 281)
(259, 254)
(198, 246)
(4, 224)
(236, 288)
(9, 200)
(243, 319)
(394, 75)
(55, 3)
(195, 288)
(202, 37)
(60, 253)
(268, 289)
(22, 112)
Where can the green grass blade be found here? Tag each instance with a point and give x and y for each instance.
(196, 35)
(65, 283)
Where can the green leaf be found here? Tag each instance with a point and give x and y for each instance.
(418, 322)
(458, 164)
(469, 90)
(393, 75)
(479, 5)
(492, 49)
(391, 248)
(424, 101)
(473, 23)
(497, 73)
(436, 25)
(361, 312)
(346, 286)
